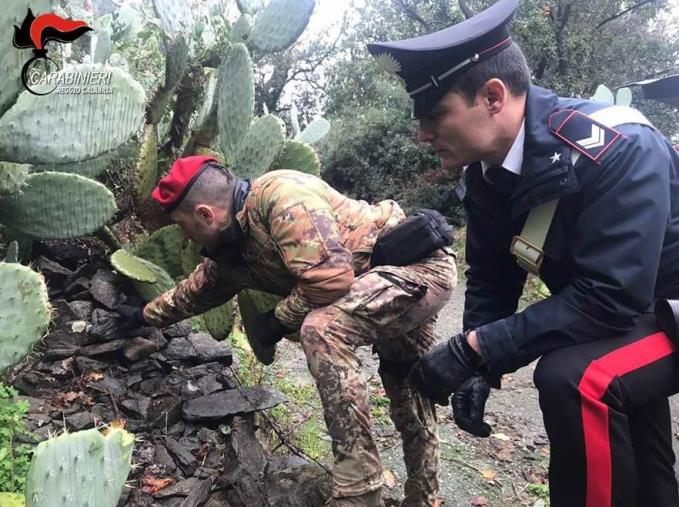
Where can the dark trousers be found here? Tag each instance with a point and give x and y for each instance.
(607, 417)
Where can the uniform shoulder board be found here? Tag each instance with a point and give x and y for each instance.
(583, 133)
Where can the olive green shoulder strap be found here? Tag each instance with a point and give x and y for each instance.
(527, 247)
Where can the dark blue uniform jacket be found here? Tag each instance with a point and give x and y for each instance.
(612, 249)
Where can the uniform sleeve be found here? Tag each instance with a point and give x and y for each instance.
(615, 248)
(303, 227)
(209, 286)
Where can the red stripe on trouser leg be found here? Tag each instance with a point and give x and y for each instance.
(593, 385)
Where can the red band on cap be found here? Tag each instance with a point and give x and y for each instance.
(172, 188)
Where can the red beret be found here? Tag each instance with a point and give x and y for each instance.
(172, 188)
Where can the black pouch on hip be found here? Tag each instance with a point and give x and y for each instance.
(414, 239)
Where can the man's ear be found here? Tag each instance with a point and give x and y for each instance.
(495, 95)
(204, 213)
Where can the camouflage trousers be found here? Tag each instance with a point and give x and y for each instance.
(394, 309)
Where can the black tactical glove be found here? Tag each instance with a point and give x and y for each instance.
(444, 368)
(130, 317)
(268, 330)
(469, 405)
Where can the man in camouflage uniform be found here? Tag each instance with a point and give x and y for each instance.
(291, 234)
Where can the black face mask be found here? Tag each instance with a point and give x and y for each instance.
(229, 247)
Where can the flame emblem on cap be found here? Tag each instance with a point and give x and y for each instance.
(388, 63)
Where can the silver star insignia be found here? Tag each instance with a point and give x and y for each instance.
(556, 157)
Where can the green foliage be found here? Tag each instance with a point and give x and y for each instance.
(12, 500)
(538, 489)
(86, 468)
(24, 311)
(14, 456)
(371, 154)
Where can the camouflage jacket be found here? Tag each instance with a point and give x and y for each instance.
(304, 241)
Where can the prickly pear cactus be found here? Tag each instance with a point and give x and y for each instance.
(241, 29)
(24, 314)
(149, 291)
(175, 16)
(298, 156)
(58, 206)
(603, 94)
(236, 99)
(259, 148)
(280, 24)
(145, 170)
(315, 131)
(90, 168)
(623, 97)
(163, 248)
(133, 267)
(60, 127)
(12, 500)
(12, 177)
(83, 469)
(219, 321)
(190, 256)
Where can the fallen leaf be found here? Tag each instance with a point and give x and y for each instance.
(501, 436)
(389, 478)
(153, 484)
(489, 475)
(479, 501)
(94, 376)
(505, 454)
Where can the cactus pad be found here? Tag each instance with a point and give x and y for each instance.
(298, 156)
(241, 29)
(12, 177)
(175, 16)
(149, 291)
(623, 97)
(84, 469)
(24, 314)
(164, 248)
(315, 131)
(89, 168)
(280, 23)
(145, 170)
(190, 256)
(259, 147)
(133, 267)
(219, 320)
(61, 127)
(236, 92)
(603, 94)
(58, 206)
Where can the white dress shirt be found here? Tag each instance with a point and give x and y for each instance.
(514, 159)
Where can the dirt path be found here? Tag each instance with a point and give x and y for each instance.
(508, 469)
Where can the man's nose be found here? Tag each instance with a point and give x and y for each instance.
(424, 133)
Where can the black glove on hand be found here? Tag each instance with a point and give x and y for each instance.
(469, 405)
(131, 317)
(268, 330)
(444, 368)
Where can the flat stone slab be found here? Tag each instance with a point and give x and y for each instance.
(218, 406)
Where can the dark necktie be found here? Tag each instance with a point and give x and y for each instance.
(502, 180)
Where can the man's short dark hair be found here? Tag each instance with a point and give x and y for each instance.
(509, 65)
(213, 186)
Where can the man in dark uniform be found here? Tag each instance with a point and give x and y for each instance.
(586, 196)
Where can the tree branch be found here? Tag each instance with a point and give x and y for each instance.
(412, 13)
(622, 13)
(465, 9)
